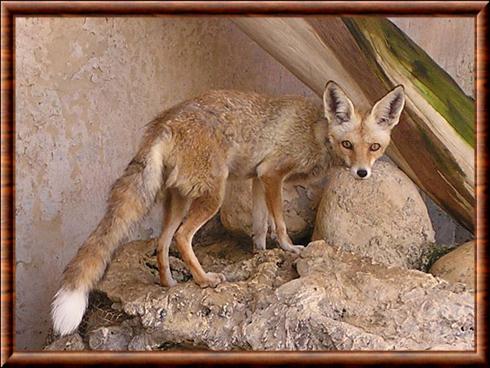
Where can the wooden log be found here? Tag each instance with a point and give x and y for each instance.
(434, 142)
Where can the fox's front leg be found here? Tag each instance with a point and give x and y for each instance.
(272, 226)
(260, 215)
(273, 193)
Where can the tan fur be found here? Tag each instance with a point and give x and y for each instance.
(189, 151)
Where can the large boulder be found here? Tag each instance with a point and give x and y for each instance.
(300, 203)
(458, 265)
(383, 217)
(323, 299)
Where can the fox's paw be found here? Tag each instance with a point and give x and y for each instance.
(166, 278)
(257, 248)
(212, 280)
(273, 235)
(168, 282)
(296, 249)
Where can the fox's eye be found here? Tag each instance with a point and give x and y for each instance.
(375, 147)
(347, 144)
(341, 117)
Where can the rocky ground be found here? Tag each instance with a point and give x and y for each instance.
(325, 299)
(362, 289)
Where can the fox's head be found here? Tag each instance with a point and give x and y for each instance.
(360, 139)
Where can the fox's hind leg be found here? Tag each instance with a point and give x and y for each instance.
(175, 209)
(200, 211)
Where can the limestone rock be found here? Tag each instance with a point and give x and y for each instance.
(457, 266)
(324, 299)
(299, 204)
(114, 338)
(383, 217)
(71, 342)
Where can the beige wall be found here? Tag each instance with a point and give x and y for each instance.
(85, 88)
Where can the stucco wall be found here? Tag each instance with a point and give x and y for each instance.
(85, 88)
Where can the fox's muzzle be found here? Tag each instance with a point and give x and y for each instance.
(361, 173)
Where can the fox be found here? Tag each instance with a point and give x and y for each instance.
(187, 154)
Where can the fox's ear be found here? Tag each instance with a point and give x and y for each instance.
(338, 107)
(386, 112)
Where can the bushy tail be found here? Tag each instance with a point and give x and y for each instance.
(130, 199)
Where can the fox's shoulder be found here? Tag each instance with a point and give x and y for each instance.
(304, 108)
(295, 100)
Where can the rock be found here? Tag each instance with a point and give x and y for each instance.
(457, 266)
(299, 204)
(324, 299)
(383, 217)
(114, 338)
(71, 342)
(408, 309)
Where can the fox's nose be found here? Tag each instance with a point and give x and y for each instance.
(361, 173)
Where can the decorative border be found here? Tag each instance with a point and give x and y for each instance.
(12, 9)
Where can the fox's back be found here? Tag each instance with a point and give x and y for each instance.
(238, 128)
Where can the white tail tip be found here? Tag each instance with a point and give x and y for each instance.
(67, 310)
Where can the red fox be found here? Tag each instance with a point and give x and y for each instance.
(189, 152)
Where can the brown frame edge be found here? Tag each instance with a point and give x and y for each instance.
(11, 9)
(481, 160)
